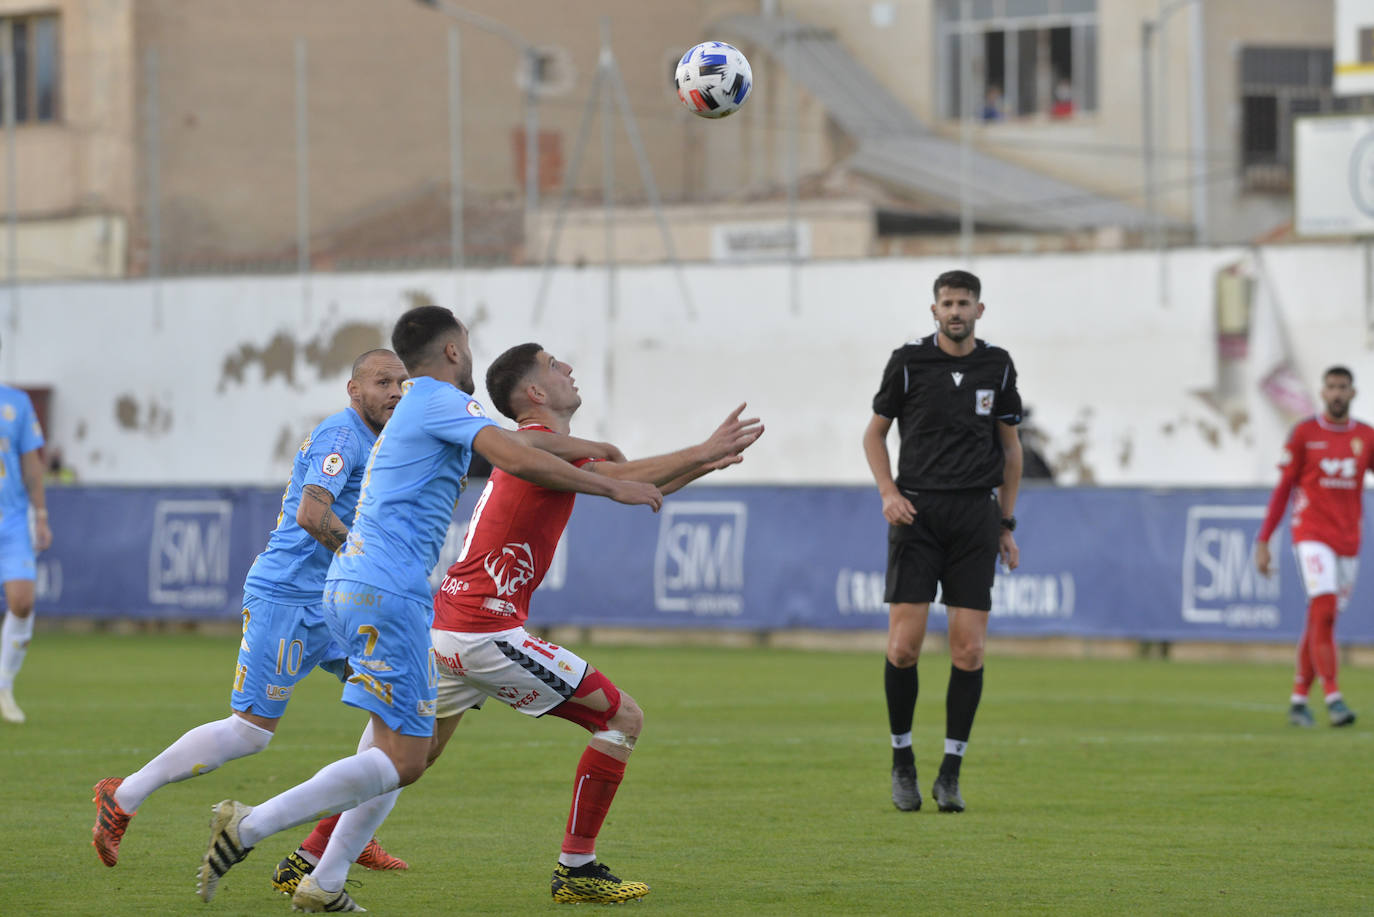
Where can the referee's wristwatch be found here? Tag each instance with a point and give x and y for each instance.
(1009, 523)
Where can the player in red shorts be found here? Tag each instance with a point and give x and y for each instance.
(480, 644)
(1325, 459)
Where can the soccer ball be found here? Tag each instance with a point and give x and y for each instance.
(713, 79)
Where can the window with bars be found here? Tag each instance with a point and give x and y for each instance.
(1028, 57)
(1278, 84)
(32, 42)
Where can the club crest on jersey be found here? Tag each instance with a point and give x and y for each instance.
(9, 412)
(983, 401)
(510, 568)
(958, 377)
(475, 409)
(1357, 445)
(333, 464)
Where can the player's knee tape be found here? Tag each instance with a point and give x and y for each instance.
(586, 717)
(615, 737)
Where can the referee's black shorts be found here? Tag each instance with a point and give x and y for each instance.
(951, 543)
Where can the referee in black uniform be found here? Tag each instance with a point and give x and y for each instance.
(950, 515)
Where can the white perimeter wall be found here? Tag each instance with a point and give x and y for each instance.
(144, 392)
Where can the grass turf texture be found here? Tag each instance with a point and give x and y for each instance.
(760, 787)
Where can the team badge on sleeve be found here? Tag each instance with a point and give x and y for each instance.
(333, 464)
(475, 409)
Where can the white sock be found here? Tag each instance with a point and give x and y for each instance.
(955, 747)
(1333, 697)
(335, 787)
(365, 742)
(901, 741)
(574, 860)
(15, 635)
(354, 829)
(197, 752)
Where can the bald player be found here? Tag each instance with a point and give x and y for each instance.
(284, 632)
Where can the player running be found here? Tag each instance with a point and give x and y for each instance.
(480, 642)
(1325, 459)
(284, 632)
(21, 490)
(378, 602)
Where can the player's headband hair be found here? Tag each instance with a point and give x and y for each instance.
(507, 371)
(959, 280)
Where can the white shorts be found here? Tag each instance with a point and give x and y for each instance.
(532, 675)
(1323, 572)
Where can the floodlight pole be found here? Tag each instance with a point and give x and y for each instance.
(1149, 28)
(607, 80)
(531, 57)
(8, 103)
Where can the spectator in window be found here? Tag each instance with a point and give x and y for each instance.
(992, 103)
(1061, 105)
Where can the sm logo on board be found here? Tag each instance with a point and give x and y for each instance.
(188, 557)
(699, 560)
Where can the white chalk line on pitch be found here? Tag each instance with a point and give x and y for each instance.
(1283, 735)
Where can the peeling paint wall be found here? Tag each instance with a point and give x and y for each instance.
(218, 379)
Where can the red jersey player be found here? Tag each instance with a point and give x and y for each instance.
(1325, 460)
(480, 644)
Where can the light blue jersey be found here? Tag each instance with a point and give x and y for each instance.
(19, 434)
(292, 569)
(412, 482)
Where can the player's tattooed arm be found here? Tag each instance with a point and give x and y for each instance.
(570, 448)
(316, 516)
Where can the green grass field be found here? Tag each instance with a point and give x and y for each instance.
(760, 786)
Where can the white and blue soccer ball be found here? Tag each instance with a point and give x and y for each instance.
(713, 79)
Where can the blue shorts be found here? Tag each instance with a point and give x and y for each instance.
(281, 645)
(16, 549)
(387, 637)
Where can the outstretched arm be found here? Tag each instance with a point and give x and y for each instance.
(674, 470)
(506, 451)
(570, 448)
(682, 481)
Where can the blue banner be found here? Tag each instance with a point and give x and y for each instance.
(1133, 563)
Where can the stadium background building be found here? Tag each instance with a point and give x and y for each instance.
(233, 203)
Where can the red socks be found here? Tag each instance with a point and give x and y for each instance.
(319, 838)
(1321, 639)
(598, 777)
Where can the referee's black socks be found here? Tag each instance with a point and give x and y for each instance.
(901, 686)
(961, 703)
